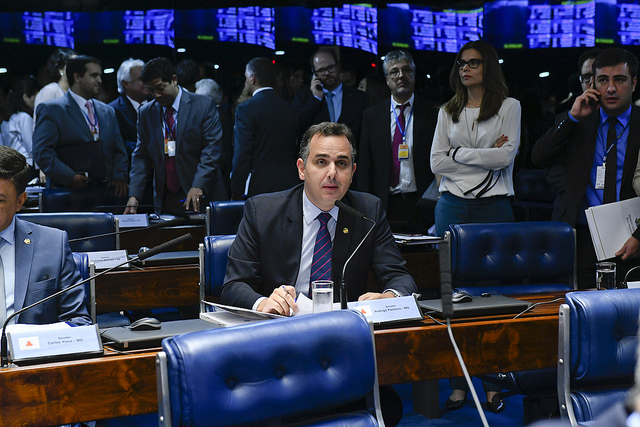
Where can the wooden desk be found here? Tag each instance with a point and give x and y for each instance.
(132, 241)
(125, 384)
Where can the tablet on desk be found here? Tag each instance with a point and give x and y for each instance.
(479, 306)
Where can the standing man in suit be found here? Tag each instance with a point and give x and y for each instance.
(76, 141)
(265, 135)
(395, 146)
(597, 141)
(35, 261)
(270, 261)
(329, 100)
(179, 145)
(133, 95)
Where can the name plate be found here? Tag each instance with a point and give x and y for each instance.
(40, 342)
(389, 309)
(108, 259)
(133, 220)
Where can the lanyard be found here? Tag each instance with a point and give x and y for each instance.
(170, 132)
(403, 132)
(606, 150)
(93, 124)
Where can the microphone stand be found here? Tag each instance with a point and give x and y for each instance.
(153, 251)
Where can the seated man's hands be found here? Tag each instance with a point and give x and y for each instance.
(375, 295)
(281, 301)
(629, 249)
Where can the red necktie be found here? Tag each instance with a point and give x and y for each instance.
(173, 183)
(397, 140)
(93, 120)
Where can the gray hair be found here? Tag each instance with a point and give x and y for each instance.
(210, 88)
(124, 72)
(396, 56)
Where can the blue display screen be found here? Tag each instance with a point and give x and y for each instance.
(252, 25)
(353, 26)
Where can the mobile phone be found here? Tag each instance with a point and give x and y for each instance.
(319, 86)
(593, 103)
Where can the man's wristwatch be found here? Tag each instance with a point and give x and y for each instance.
(393, 292)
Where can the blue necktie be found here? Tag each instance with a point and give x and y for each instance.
(321, 264)
(332, 112)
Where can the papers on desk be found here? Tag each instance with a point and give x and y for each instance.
(415, 239)
(227, 316)
(611, 225)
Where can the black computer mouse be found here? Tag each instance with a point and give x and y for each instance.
(146, 324)
(461, 296)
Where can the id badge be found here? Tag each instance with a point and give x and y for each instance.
(95, 136)
(171, 148)
(403, 151)
(600, 171)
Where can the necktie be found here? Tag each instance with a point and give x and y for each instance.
(321, 264)
(397, 140)
(3, 302)
(332, 113)
(93, 120)
(173, 183)
(611, 165)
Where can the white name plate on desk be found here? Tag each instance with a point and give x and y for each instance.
(108, 259)
(41, 342)
(132, 220)
(388, 309)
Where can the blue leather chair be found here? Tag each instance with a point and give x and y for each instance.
(100, 199)
(534, 196)
(223, 217)
(512, 258)
(264, 372)
(213, 255)
(598, 340)
(81, 224)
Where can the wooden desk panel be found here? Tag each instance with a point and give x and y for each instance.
(132, 241)
(125, 384)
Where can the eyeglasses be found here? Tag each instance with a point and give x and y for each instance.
(472, 63)
(586, 78)
(395, 72)
(330, 69)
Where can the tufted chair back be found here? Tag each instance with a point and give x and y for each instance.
(512, 258)
(267, 371)
(223, 217)
(598, 340)
(213, 264)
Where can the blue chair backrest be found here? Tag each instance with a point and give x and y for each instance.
(216, 254)
(519, 257)
(80, 200)
(255, 373)
(82, 261)
(598, 337)
(223, 217)
(77, 225)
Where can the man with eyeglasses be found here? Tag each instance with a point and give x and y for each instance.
(328, 100)
(395, 146)
(597, 141)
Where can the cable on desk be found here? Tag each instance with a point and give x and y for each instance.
(536, 304)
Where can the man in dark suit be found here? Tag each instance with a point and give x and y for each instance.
(78, 131)
(270, 261)
(179, 145)
(599, 157)
(133, 95)
(394, 148)
(265, 136)
(36, 261)
(328, 99)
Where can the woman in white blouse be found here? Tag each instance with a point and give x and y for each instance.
(473, 151)
(19, 108)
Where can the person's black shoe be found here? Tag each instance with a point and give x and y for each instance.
(497, 404)
(452, 405)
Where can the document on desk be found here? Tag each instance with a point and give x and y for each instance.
(225, 315)
(611, 225)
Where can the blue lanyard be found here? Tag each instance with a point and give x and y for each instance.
(92, 124)
(170, 132)
(403, 132)
(606, 150)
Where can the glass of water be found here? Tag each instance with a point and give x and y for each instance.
(605, 275)
(322, 295)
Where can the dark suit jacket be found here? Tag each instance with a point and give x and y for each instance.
(265, 137)
(61, 122)
(266, 251)
(45, 265)
(573, 145)
(198, 149)
(127, 117)
(311, 111)
(374, 159)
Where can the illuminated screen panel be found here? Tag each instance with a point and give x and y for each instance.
(252, 25)
(628, 22)
(49, 28)
(353, 26)
(196, 24)
(149, 27)
(293, 24)
(99, 28)
(425, 28)
(11, 28)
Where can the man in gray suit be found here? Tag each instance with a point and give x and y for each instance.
(76, 141)
(179, 145)
(265, 136)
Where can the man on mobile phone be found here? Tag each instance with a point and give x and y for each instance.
(597, 141)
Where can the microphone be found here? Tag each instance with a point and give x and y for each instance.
(351, 211)
(153, 251)
(170, 223)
